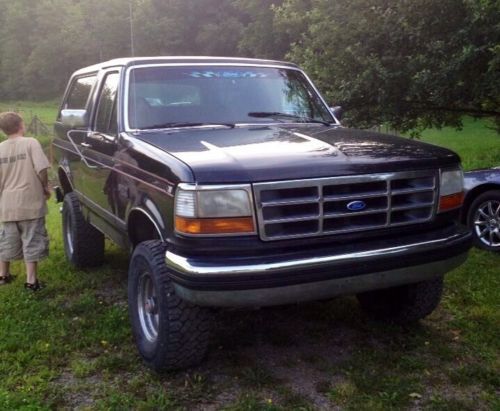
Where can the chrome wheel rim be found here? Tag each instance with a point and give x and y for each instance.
(487, 223)
(69, 235)
(147, 307)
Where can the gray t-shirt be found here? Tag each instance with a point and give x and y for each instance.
(21, 191)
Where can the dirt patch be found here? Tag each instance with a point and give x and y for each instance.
(291, 356)
(78, 393)
(293, 348)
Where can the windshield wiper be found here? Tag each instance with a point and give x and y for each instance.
(186, 124)
(302, 119)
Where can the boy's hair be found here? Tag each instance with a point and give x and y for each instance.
(10, 122)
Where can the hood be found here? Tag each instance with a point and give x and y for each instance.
(267, 153)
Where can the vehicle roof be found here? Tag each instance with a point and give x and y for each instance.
(134, 61)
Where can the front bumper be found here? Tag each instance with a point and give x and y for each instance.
(317, 273)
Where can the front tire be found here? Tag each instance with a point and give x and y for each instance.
(483, 219)
(169, 332)
(403, 304)
(83, 243)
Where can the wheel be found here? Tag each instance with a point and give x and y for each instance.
(483, 219)
(403, 304)
(83, 243)
(169, 332)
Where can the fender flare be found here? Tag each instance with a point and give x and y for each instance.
(64, 171)
(147, 214)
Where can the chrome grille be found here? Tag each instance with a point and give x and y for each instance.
(308, 208)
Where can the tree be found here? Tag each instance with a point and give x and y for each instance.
(188, 27)
(59, 44)
(15, 32)
(413, 64)
(260, 36)
(410, 63)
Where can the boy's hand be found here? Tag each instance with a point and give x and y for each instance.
(47, 193)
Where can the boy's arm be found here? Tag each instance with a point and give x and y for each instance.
(41, 165)
(44, 178)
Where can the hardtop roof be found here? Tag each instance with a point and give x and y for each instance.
(134, 61)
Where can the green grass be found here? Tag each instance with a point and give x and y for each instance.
(478, 144)
(70, 345)
(46, 111)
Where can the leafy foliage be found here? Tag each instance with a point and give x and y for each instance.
(409, 64)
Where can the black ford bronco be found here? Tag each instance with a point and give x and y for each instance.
(234, 185)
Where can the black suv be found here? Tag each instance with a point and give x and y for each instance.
(234, 185)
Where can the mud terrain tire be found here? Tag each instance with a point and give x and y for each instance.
(170, 333)
(83, 243)
(403, 304)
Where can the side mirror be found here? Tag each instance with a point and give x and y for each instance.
(337, 111)
(74, 118)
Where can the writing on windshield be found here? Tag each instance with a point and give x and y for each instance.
(220, 95)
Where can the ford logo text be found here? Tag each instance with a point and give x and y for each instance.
(357, 205)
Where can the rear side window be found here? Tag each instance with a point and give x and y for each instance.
(79, 93)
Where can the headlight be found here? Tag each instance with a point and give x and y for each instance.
(214, 210)
(451, 189)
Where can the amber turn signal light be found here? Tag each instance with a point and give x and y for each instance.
(235, 225)
(451, 201)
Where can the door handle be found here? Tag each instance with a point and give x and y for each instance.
(87, 145)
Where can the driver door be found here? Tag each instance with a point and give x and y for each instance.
(100, 146)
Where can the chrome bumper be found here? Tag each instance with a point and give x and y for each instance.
(192, 267)
(317, 274)
(321, 290)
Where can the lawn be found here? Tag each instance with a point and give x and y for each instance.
(478, 143)
(46, 111)
(70, 345)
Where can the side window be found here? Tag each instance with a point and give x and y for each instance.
(105, 121)
(79, 93)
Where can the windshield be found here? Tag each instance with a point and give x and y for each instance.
(169, 96)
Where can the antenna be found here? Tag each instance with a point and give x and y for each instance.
(131, 29)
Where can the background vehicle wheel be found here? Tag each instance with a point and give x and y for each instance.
(83, 243)
(404, 304)
(483, 219)
(169, 332)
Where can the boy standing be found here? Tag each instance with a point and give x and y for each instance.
(23, 195)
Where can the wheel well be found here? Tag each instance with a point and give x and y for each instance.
(141, 228)
(64, 181)
(473, 194)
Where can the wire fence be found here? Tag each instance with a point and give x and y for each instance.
(37, 127)
(35, 120)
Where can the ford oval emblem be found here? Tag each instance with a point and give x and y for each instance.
(357, 205)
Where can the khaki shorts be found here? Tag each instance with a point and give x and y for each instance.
(26, 240)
